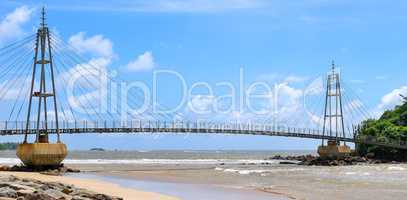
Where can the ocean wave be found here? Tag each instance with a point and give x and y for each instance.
(396, 168)
(262, 172)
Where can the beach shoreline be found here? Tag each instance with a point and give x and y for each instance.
(217, 175)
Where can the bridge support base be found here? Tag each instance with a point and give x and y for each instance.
(42, 154)
(334, 150)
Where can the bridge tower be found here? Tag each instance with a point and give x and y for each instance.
(41, 152)
(333, 118)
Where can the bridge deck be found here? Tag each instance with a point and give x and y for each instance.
(17, 128)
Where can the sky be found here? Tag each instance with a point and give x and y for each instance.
(287, 44)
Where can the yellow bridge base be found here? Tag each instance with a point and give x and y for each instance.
(333, 150)
(41, 154)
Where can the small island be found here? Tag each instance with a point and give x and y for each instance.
(97, 149)
(8, 146)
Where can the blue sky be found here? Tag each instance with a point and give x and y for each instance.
(211, 41)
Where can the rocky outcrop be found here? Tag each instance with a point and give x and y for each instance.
(56, 170)
(315, 160)
(14, 188)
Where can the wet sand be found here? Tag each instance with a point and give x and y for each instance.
(365, 182)
(186, 191)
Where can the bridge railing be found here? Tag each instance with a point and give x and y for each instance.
(151, 126)
(367, 139)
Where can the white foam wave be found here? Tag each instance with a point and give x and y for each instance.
(396, 168)
(262, 172)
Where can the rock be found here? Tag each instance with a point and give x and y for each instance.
(4, 168)
(25, 192)
(7, 192)
(79, 198)
(70, 170)
(102, 197)
(67, 191)
(370, 155)
(287, 163)
(53, 170)
(15, 188)
(37, 196)
(56, 194)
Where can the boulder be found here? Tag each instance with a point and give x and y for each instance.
(38, 196)
(57, 194)
(7, 192)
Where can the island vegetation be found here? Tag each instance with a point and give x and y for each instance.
(392, 125)
(8, 146)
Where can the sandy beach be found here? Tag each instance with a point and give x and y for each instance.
(94, 185)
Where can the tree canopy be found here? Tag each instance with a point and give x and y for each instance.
(391, 125)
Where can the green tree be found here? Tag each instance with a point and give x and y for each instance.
(392, 125)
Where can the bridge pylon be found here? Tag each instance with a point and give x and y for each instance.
(333, 118)
(41, 152)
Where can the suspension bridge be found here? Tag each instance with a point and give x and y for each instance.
(41, 64)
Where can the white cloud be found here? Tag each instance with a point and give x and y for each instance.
(283, 103)
(143, 62)
(97, 45)
(295, 79)
(11, 89)
(203, 5)
(165, 5)
(87, 74)
(201, 104)
(66, 116)
(86, 101)
(11, 25)
(391, 99)
(353, 105)
(90, 77)
(315, 87)
(274, 77)
(289, 100)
